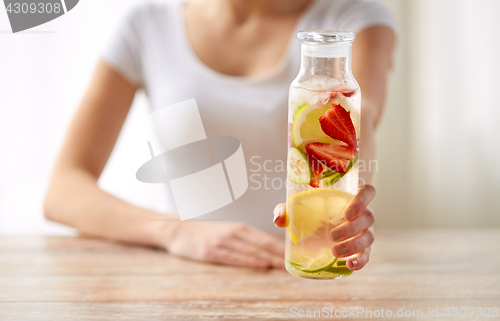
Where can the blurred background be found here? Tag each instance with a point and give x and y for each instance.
(438, 158)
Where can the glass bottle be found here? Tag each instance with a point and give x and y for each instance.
(322, 164)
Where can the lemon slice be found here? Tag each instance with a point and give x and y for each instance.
(306, 263)
(309, 210)
(306, 127)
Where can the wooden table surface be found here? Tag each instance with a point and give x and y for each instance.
(72, 278)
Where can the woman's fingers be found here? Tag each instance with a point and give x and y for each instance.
(352, 228)
(356, 235)
(358, 204)
(280, 215)
(354, 245)
(359, 260)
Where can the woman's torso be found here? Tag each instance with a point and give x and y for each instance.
(251, 108)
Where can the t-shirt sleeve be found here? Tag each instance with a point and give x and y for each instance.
(355, 15)
(123, 50)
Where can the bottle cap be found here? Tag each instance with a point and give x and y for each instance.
(326, 43)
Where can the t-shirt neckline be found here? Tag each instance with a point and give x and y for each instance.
(275, 71)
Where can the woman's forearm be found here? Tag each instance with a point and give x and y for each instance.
(367, 163)
(371, 62)
(74, 199)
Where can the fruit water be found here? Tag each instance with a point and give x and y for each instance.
(323, 153)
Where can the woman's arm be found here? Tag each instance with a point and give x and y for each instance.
(73, 197)
(371, 62)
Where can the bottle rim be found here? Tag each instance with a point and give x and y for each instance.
(325, 37)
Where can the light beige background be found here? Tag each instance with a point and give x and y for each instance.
(438, 141)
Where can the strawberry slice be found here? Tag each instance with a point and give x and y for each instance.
(317, 169)
(334, 94)
(348, 93)
(325, 153)
(344, 90)
(337, 124)
(337, 149)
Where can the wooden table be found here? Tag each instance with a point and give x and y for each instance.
(71, 278)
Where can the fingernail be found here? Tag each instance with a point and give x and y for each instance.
(354, 263)
(275, 218)
(341, 249)
(337, 234)
(349, 214)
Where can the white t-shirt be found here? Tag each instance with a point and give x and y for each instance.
(150, 49)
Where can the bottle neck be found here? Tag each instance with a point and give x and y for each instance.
(333, 62)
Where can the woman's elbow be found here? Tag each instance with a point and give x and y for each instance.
(50, 205)
(56, 201)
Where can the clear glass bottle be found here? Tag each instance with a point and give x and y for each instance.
(322, 164)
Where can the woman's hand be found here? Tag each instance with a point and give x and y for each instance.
(352, 239)
(227, 243)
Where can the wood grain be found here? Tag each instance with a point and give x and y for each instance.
(70, 278)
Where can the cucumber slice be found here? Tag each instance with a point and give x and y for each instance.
(330, 177)
(298, 167)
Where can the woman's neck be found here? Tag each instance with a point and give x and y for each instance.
(242, 10)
